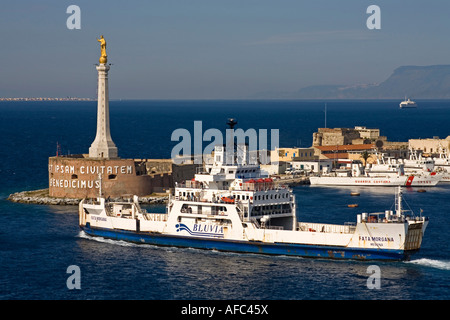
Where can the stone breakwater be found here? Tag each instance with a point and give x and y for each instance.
(41, 197)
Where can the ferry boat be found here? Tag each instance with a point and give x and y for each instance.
(353, 173)
(420, 174)
(234, 207)
(408, 104)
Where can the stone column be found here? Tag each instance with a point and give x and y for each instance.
(103, 147)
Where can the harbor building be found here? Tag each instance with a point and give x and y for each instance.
(312, 166)
(343, 136)
(290, 154)
(431, 146)
(84, 175)
(351, 151)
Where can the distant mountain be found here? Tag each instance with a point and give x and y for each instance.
(428, 82)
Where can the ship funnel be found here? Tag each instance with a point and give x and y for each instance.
(231, 123)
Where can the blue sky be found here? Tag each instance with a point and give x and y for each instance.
(213, 49)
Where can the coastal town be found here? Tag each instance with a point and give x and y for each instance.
(46, 99)
(334, 152)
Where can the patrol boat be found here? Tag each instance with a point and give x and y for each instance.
(234, 207)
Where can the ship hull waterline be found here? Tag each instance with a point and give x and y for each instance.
(254, 247)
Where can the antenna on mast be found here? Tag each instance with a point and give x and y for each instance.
(58, 149)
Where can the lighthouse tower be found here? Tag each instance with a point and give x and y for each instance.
(103, 147)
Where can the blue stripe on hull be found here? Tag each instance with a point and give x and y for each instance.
(311, 251)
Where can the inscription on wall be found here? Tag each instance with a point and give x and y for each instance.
(84, 177)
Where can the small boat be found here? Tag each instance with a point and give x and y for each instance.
(353, 205)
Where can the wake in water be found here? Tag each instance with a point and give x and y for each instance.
(438, 264)
(122, 243)
(83, 235)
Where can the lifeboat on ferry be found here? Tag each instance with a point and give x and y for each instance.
(228, 199)
(249, 185)
(260, 184)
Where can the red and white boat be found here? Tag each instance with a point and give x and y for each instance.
(381, 174)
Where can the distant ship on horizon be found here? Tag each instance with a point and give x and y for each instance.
(408, 104)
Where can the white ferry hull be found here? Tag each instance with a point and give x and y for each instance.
(256, 247)
(365, 241)
(424, 180)
(446, 177)
(359, 181)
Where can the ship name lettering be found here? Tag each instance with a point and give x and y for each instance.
(367, 238)
(207, 228)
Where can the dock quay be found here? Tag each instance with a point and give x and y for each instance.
(291, 180)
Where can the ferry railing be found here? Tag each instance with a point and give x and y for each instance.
(325, 228)
(155, 217)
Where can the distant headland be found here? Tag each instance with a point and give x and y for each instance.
(46, 99)
(416, 82)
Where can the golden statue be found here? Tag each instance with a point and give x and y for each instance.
(103, 56)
